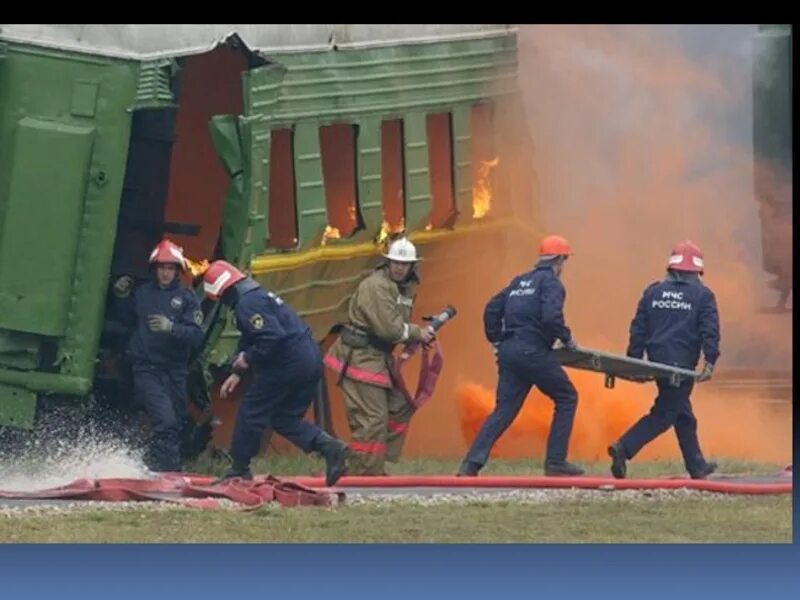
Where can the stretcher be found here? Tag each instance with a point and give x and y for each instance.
(623, 367)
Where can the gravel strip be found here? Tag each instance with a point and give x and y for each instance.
(422, 498)
(532, 496)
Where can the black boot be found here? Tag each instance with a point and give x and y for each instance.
(617, 453)
(561, 468)
(468, 469)
(335, 453)
(236, 471)
(707, 469)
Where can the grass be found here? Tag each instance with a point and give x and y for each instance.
(696, 518)
(730, 520)
(304, 465)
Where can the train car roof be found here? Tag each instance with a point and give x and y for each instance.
(148, 42)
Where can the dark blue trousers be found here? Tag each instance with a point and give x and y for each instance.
(162, 392)
(520, 368)
(672, 408)
(279, 397)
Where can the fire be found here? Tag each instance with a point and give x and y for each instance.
(197, 268)
(330, 233)
(482, 190)
(429, 226)
(387, 230)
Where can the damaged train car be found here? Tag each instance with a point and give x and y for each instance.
(293, 151)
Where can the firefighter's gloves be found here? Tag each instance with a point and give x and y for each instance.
(708, 369)
(159, 324)
(123, 286)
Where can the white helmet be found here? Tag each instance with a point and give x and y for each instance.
(402, 250)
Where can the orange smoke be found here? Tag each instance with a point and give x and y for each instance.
(632, 152)
(629, 153)
(736, 428)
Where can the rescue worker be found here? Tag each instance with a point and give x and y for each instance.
(676, 319)
(524, 321)
(379, 318)
(280, 351)
(166, 318)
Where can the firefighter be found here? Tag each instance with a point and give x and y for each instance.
(166, 318)
(379, 318)
(280, 351)
(676, 319)
(524, 321)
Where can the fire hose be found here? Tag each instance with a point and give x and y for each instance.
(431, 367)
(188, 490)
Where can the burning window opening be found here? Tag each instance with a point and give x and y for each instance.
(338, 155)
(393, 174)
(482, 189)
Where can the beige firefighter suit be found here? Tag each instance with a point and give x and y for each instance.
(377, 412)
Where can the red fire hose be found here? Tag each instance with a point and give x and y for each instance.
(193, 491)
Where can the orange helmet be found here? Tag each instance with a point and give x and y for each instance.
(554, 245)
(686, 256)
(168, 252)
(219, 277)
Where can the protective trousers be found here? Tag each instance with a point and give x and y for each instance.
(672, 408)
(279, 397)
(162, 392)
(379, 419)
(519, 369)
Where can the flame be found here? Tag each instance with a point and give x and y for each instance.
(351, 214)
(330, 233)
(482, 190)
(387, 230)
(429, 226)
(197, 268)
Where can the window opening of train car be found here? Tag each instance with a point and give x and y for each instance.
(392, 178)
(174, 180)
(338, 154)
(282, 211)
(440, 161)
(484, 159)
(209, 84)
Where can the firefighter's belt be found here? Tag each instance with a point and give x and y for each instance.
(355, 337)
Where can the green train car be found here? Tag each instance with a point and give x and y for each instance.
(290, 150)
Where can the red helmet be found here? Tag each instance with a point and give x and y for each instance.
(686, 256)
(219, 277)
(554, 245)
(167, 252)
